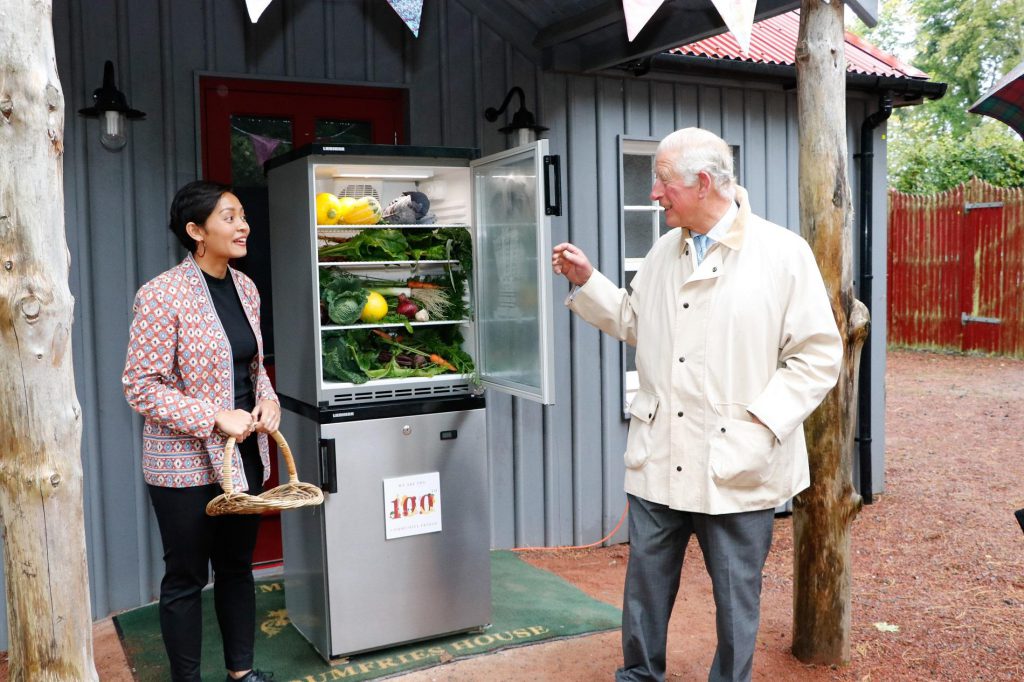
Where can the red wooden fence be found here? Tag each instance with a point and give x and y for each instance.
(956, 269)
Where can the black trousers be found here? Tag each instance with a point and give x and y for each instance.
(193, 541)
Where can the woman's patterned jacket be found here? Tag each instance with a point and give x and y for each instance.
(179, 374)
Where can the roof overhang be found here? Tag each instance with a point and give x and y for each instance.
(904, 91)
(585, 36)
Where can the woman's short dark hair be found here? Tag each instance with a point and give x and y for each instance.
(193, 204)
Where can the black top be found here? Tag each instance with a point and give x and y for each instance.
(240, 336)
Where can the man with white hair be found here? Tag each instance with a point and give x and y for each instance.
(736, 345)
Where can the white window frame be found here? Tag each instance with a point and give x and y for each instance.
(628, 266)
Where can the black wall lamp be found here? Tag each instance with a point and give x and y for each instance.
(110, 106)
(523, 124)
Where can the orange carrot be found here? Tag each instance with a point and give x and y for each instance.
(434, 358)
(438, 360)
(414, 284)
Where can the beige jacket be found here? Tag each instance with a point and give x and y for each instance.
(749, 331)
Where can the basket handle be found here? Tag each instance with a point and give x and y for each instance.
(229, 450)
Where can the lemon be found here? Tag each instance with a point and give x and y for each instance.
(376, 307)
(328, 209)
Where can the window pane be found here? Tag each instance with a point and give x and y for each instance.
(639, 235)
(328, 131)
(637, 176)
(630, 358)
(254, 139)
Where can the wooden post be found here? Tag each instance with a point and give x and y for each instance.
(40, 419)
(823, 513)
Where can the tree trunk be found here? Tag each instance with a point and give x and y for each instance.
(40, 420)
(822, 514)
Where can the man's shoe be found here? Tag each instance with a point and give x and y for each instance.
(253, 675)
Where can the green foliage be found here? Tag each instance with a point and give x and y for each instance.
(969, 45)
(991, 152)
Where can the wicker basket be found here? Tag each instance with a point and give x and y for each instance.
(288, 495)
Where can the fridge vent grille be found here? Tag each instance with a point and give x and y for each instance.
(383, 394)
(357, 191)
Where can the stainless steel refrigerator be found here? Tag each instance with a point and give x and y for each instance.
(398, 552)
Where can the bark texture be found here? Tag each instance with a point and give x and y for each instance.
(823, 513)
(40, 419)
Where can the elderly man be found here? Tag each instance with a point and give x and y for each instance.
(736, 345)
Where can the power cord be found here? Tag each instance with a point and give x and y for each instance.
(592, 544)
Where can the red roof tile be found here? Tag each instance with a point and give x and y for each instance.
(773, 41)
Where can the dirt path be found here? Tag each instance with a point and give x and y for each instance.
(939, 556)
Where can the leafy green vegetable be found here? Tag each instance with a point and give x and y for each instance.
(343, 295)
(368, 245)
(339, 361)
(354, 355)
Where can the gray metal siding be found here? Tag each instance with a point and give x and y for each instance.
(555, 473)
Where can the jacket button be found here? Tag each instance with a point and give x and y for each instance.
(649, 415)
(686, 305)
(682, 359)
(679, 413)
(679, 468)
(723, 429)
(714, 269)
(686, 253)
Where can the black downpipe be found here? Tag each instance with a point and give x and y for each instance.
(867, 154)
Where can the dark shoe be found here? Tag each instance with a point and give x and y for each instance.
(253, 675)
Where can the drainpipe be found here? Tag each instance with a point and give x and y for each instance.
(866, 156)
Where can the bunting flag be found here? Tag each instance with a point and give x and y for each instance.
(256, 8)
(737, 14)
(638, 13)
(739, 19)
(410, 11)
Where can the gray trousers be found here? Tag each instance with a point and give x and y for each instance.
(735, 547)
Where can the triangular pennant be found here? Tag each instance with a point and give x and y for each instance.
(638, 13)
(739, 19)
(256, 8)
(410, 11)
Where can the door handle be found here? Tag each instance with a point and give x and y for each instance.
(552, 162)
(328, 466)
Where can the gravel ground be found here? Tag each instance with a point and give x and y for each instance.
(938, 560)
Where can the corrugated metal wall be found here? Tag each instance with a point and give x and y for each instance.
(956, 261)
(555, 473)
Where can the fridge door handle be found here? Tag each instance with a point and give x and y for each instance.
(328, 466)
(552, 162)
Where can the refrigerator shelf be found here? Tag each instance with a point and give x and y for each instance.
(406, 264)
(429, 323)
(339, 230)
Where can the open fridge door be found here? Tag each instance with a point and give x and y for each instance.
(514, 194)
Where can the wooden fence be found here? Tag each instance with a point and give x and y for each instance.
(956, 269)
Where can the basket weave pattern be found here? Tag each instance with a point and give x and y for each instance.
(290, 495)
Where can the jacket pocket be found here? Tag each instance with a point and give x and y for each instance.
(742, 454)
(643, 409)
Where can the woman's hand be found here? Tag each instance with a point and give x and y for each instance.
(267, 416)
(237, 424)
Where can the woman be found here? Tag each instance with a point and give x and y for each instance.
(195, 372)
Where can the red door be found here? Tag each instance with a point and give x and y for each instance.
(244, 122)
(982, 283)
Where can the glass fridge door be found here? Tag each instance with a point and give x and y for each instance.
(512, 270)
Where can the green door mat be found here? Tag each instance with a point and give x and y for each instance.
(530, 606)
